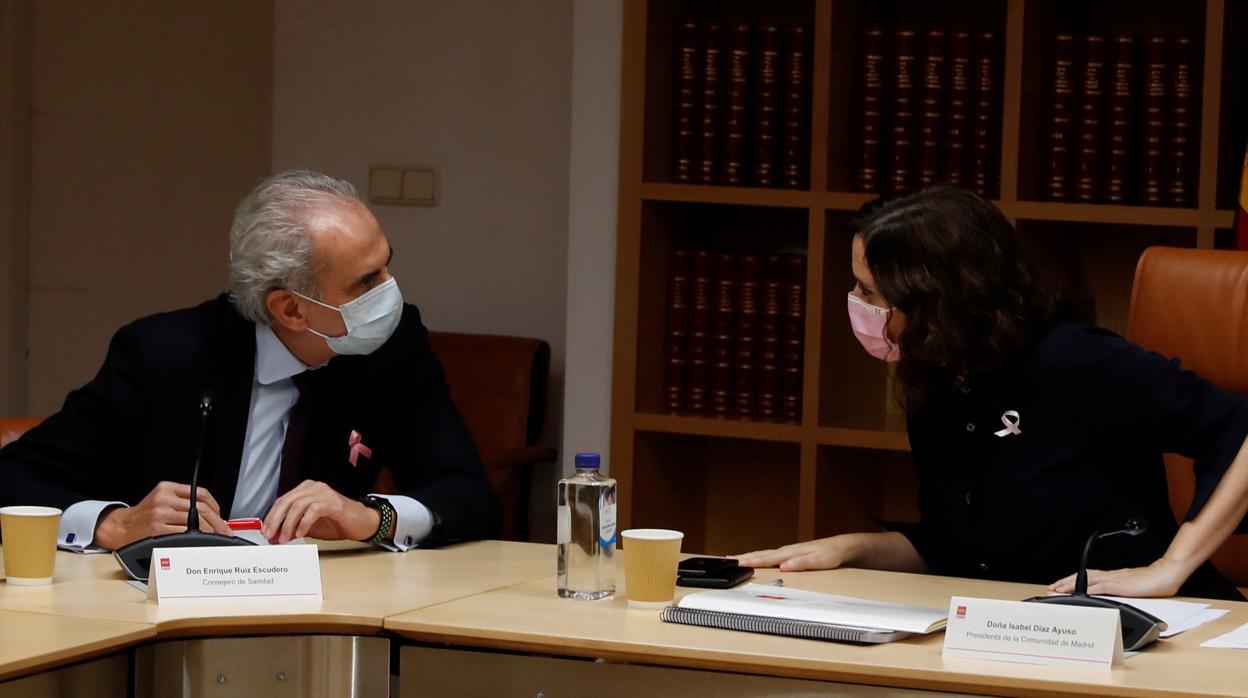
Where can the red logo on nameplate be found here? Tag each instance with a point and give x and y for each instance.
(164, 563)
(961, 612)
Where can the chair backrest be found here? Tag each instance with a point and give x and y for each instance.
(499, 386)
(13, 427)
(1192, 305)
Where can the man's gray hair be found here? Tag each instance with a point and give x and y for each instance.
(270, 244)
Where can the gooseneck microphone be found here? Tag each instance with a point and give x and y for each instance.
(1139, 629)
(1133, 527)
(205, 410)
(136, 558)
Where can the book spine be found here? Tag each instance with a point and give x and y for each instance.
(956, 109)
(698, 381)
(1061, 118)
(1179, 129)
(901, 128)
(736, 102)
(793, 109)
(722, 326)
(686, 101)
(746, 368)
(677, 330)
(793, 334)
(708, 106)
(983, 173)
(1118, 137)
(1088, 129)
(769, 337)
(766, 105)
(871, 119)
(1152, 165)
(928, 170)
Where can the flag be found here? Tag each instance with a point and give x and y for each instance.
(1241, 210)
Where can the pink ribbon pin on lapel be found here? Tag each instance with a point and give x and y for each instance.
(357, 448)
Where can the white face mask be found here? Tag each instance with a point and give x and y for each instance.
(370, 319)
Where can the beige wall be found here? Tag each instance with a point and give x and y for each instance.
(593, 175)
(481, 90)
(151, 119)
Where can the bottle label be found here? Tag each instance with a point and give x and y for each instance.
(606, 527)
(563, 529)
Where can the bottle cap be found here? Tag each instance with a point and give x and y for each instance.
(587, 461)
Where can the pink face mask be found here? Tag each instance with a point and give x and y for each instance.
(869, 323)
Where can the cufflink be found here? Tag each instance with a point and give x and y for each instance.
(70, 538)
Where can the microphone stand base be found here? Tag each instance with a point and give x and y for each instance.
(1139, 629)
(136, 558)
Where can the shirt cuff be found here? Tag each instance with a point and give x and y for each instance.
(412, 522)
(78, 524)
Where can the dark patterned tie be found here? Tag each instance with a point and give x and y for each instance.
(296, 435)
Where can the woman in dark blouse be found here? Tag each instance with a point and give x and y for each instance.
(1028, 434)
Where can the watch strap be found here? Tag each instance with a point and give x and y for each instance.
(386, 512)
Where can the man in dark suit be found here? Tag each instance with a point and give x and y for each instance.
(318, 376)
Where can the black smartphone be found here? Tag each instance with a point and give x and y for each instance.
(711, 573)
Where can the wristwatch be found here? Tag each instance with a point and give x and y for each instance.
(386, 511)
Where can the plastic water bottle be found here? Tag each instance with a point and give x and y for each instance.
(586, 532)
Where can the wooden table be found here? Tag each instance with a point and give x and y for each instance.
(361, 586)
(498, 601)
(31, 642)
(529, 617)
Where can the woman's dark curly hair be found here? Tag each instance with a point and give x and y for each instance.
(951, 262)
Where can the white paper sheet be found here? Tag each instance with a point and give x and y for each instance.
(1180, 616)
(1237, 639)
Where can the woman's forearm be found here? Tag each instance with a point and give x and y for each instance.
(1199, 538)
(883, 551)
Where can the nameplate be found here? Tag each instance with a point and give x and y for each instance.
(1033, 633)
(235, 574)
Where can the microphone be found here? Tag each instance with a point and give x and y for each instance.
(205, 410)
(1133, 527)
(1139, 629)
(136, 558)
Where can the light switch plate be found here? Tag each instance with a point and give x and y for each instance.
(403, 185)
(385, 184)
(420, 187)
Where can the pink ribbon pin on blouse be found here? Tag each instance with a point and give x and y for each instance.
(357, 448)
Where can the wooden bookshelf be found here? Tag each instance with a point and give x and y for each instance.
(735, 484)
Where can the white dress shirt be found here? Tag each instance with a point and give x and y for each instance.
(273, 394)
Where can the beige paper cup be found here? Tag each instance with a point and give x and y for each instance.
(29, 544)
(650, 559)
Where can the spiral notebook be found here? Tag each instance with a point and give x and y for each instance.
(759, 608)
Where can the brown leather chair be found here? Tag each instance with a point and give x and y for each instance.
(13, 427)
(499, 386)
(1192, 305)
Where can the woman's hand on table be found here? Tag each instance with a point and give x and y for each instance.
(822, 554)
(1160, 579)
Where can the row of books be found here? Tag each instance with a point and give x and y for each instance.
(1120, 125)
(741, 104)
(929, 111)
(735, 332)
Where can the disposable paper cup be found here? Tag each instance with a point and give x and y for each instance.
(29, 544)
(650, 559)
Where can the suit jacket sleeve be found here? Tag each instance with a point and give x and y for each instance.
(78, 452)
(438, 463)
